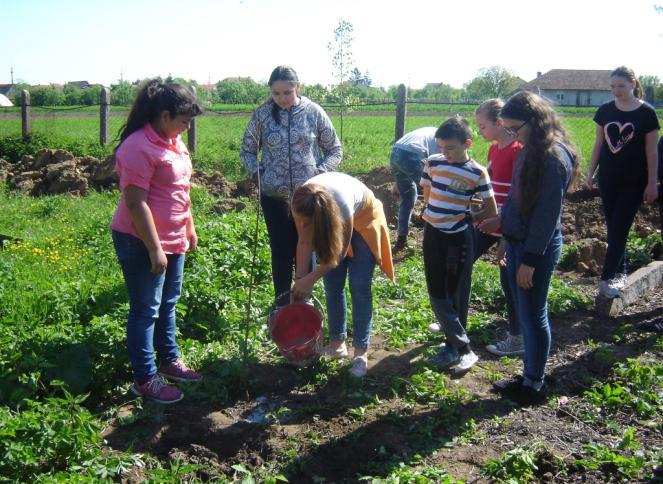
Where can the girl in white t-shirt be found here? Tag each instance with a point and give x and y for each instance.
(339, 219)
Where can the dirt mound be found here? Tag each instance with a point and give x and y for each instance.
(52, 172)
(218, 186)
(583, 223)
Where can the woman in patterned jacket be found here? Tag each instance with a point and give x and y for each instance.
(297, 141)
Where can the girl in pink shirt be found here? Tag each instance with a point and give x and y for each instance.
(152, 229)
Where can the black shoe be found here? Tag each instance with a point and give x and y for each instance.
(401, 243)
(525, 395)
(653, 326)
(508, 384)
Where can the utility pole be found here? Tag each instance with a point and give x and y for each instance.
(121, 75)
(12, 72)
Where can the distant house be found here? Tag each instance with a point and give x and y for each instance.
(79, 84)
(572, 87)
(236, 79)
(8, 90)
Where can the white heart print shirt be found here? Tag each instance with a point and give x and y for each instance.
(623, 158)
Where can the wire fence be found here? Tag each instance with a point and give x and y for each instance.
(367, 129)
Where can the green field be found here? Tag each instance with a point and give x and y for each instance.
(367, 140)
(65, 375)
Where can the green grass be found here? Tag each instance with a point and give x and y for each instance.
(367, 140)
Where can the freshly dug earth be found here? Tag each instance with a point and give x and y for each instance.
(340, 433)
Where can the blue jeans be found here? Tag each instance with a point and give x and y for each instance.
(359, 270)
(407, 167)
(152, 300)
(532, 304)
(485, 242)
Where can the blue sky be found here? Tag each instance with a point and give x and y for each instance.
(412, 42)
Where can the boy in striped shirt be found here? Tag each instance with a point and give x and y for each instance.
(449, 182)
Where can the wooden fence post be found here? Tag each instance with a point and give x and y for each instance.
(25, 113)
(191, 134)
(104, 113)
(401, 111)
(649, 94)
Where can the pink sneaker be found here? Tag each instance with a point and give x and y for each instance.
(178, 371)
(155, 388)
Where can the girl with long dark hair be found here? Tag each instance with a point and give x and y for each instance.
(152, 230)
(530, 221)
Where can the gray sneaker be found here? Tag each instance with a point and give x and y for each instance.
(447, 357)
(511, 346)
(467, 361)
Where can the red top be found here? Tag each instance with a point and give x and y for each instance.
(162, 168)
(501, 163)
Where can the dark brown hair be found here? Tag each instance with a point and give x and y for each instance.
(545, 132)
(628, 74)
(155, 97)
(317, 204)
(456, 127)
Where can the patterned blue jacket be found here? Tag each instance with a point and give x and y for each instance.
(301, 145)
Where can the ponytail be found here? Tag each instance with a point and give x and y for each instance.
(317, 204)
(155, 97)
(637, 90)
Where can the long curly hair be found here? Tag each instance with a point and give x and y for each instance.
(318, 205)
(545, 131)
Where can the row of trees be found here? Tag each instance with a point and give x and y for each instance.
(490, 82)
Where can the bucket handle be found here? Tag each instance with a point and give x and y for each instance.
(319, 306)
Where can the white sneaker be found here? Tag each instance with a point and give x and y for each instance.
(467, 361)
(512, 345)
(336, 353)
(359, 366)
(619, 281)
(608, 289)
(434, 327)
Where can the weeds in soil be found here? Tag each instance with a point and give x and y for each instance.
(635, 387)
(624, 460)
(516, 465)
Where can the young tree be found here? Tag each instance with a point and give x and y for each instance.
(122, 93)
(494, 81)
(342, 62)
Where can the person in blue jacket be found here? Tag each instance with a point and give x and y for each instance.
(530, 221)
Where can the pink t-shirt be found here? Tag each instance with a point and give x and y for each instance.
(163, 169)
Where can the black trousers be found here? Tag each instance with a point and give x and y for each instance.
(621, 202)
(283, 242)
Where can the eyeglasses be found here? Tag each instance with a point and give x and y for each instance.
(514, 131)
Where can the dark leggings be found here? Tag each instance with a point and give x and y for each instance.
(283, 242)
(620, 204)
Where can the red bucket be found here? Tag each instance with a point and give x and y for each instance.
(297, 331)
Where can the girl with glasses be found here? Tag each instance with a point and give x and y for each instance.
(530, 221)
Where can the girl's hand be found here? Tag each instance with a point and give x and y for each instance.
(589, 183)
(193, 241)
(302, 289)
(525, 276)
(158, 261)
(501, 253)
(651, 193)
(489, 225)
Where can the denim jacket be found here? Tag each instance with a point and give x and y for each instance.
(536, 229)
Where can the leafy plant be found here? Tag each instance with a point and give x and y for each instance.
(515, 466)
